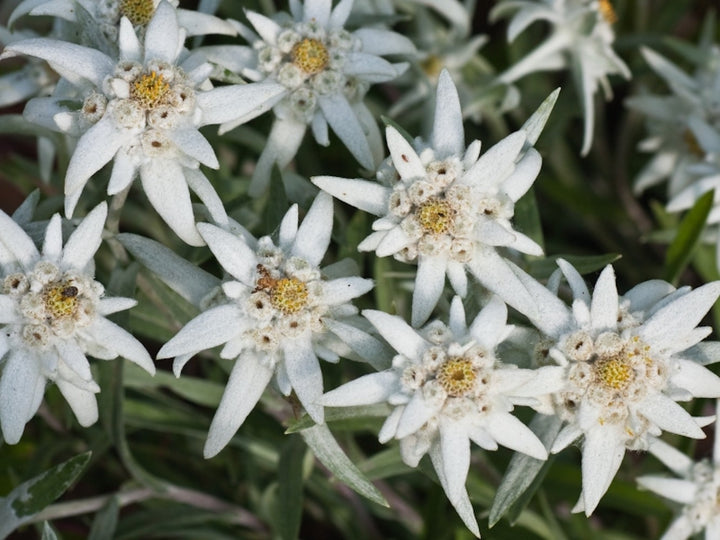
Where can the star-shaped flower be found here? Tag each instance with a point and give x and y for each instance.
(696, 491)
(279, 315)
(627, 360)
(448, 388)
(447, 207)
(581, 40)
(325, 71)
(142, 111)
(52, 313)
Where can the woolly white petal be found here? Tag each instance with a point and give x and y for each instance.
(455, 448)
(457, 277)
(16, 240)
(462, 506)
(281, 146)
(128, 42)
(118, 340)
(395, 240)
(575, 280)
(209, 329)
(205, 191)
(488, 327)
(317, 11)
(448, 135)
(123, 172)
(568, 435)
(382, 42)
(52, 246)
(288, 228)
(369, 348)
(366, 390)
(8, 313)
(162, 35)
(698, 380)
(456, 317)
(107, 306)
(398, 333)
(232, 253)
(368, 196)
(497, 163)
(303, 370)
(19, 378)
(647, 293)
(344, 123)
(405, 159)
(238, 103)
(603, 451)
(248, 380)
(82, 402)
(512, 433)
(313, 236)
(518, 183)
(265, 27)
(417, 412)
(429, 285)
(194, 144)
(85, 240)
(675, 489)
(389, 427)
(669, 416)
(342, 290)
(604, 305)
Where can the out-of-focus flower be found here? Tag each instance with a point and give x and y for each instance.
(448, 388)
(581, 39)
(446, 207)
(325, 71)
(142, 111)
(279, 315)
(52, 313)
(627, 361)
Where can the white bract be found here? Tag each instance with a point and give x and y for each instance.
(142, 110)
(446, 207)
(627, 360)
(696, 491)
(325, 71)
(581, 40)
(448, 388)
(278, 316)
(52, 314)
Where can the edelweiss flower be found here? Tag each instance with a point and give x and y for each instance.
(99, 21)
(581, 39)
(325, 72)
(697, 491)
(279, 316)
(448, 388)
(52, 314)
(448, 210)
(627, 360)
(684, 126)
(142, 111)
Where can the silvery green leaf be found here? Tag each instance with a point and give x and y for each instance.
(534, 125)
(25, 212)
(329, 453)
(290, 488)
(524, 473)
(32, 496)
(183, 277)
(105, 521)
(48, 533)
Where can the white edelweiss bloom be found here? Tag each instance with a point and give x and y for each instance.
(278, 316)
(626, 361)
(325, 71)
(447, 207)
(696, 491)
(143, 111)
(99, 21)
(581, 40)
(52, 314)
(448, 388)
(684, 126)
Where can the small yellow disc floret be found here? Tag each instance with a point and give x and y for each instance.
(435, 216)
(310, 55)
(149, 90)
(61, 300)
(607, 11)
(289, 295)
(139, 12)
(614, 372)
(432, 66)
(457, 377)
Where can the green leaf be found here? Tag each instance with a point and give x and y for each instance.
(277, 202)
(48, 533)
(527, 217)
(329, 453)
(585, 264)
(105, 521)
(534, 125)
(200, 391)
(290, 488)
(32, 496)
(335, 414)
(688, 235)
(524, 473)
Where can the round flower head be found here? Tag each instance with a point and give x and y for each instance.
(446, 208)
(448, 388)
(279, 315)
(325, 71)
(142, 111)
(627, 360)
(581, 39)
(52, 314)
(99, 21)
(696, 491)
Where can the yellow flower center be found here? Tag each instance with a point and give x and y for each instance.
(607, 11)
(614, 372)
(138, 11)
(289, 295)
(457, 377)
(435, 216)
(61, 300)
(432, 66)
(310, 55)
(149, 90)
(692, 144)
